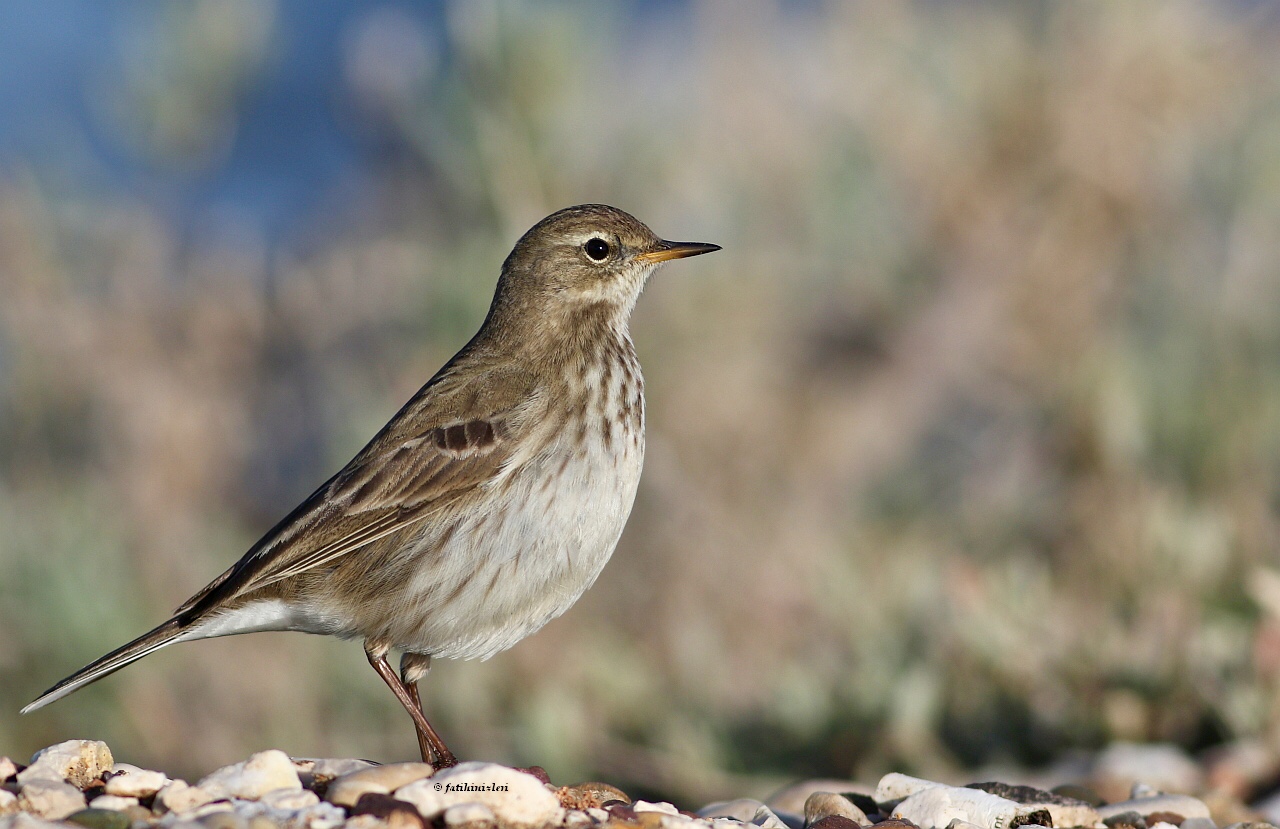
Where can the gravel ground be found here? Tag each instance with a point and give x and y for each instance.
(79, 784)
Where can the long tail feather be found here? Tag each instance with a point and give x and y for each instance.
(150, 642)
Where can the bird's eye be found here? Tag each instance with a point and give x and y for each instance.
(597, 249)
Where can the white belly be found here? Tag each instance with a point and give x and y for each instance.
(538, 558)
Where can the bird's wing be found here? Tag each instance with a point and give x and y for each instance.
(433, 452)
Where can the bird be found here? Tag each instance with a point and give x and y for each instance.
(488, 504)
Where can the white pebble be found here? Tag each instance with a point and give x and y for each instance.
(365, 822)
(114, 802)
(290, 799)
(469, 814)
(263, 772)
(1200, 823)
(51, 799)
(8, 769)
(346, 790)
(179, 796)
(130, 781)
(317, 816)
(725, 823)
(646, 806)
(23, 820)
(939, 806)
(743, 809)
(8, 802)
(217, 807)
(894, 787)
(577, 819)
(682, 822)
(79, 762)
(766, 819)
(517, 799)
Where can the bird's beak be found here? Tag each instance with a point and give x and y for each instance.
(676, 250)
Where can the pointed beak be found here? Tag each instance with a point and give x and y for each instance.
(676, 250)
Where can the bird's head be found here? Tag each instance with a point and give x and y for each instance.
(589, 255)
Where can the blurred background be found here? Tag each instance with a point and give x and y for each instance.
(964, 452)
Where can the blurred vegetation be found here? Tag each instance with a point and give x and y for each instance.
(964, 451)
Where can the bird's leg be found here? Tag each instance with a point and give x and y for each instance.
(413, 669)
(441, 757)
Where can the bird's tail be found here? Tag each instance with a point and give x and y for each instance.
(166, 634)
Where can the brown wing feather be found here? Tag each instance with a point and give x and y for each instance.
(416, 465)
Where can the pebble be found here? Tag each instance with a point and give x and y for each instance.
(25, 820)
(52, 799)
(1177, 804)
(330, 767)
(1269, 807)
(577, 820)
(1163, 766)
(743, 809)
(821, 805)
(834, 822)
(793, 797)
(100, 819)
(1123, 819)
(939, 805)
(1198, 823)
(520, 800)
(130, 781)
(180, 796)
(114, 802)
(1065, 811)
(590, 795)
(381, 805)
(317, 816)
(684, 820)
(223, 820)
(752, 812)
(894, 787)
(474, 815)
(347, 789)
(364, 822)
(766, 818)
(79, 762)
(216, 807)
(263, 772)
(272, 791)
(289, 799)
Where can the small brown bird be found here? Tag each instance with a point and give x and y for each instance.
(488, 504)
